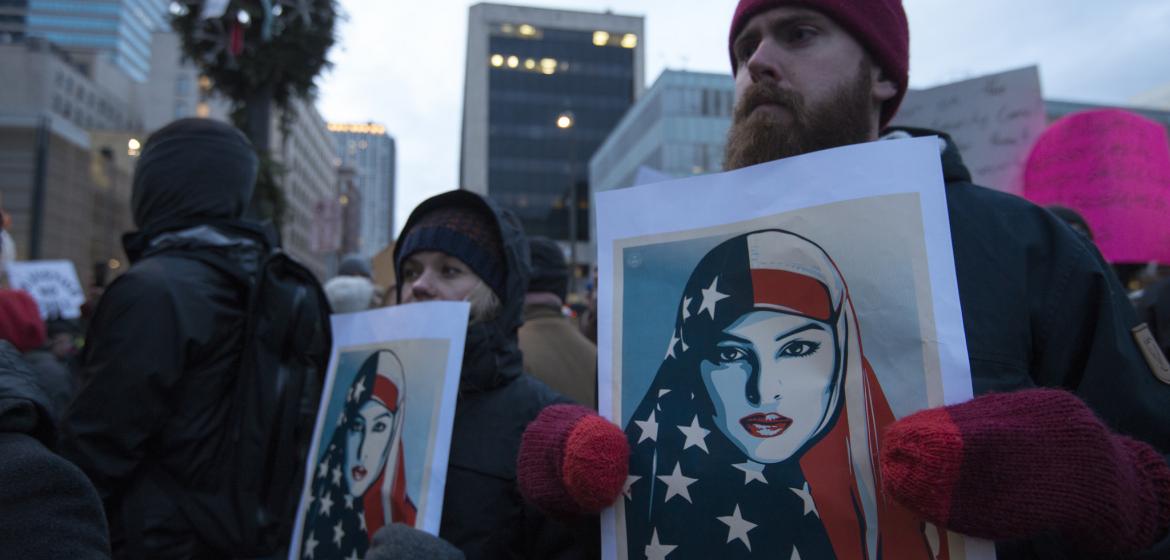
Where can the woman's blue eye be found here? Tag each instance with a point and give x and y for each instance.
(730, 354)
(799, 348)
(379, 427)
(357, 425)
(451, 271)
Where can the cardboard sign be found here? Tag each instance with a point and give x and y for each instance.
(1113, 167)
(994, 120)
(53, 284)
(754, 340)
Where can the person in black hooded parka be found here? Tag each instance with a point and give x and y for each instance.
(451, 243)
(165, 340)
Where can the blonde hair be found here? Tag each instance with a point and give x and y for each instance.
(485, 304)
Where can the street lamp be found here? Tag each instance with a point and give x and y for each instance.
(565, 121)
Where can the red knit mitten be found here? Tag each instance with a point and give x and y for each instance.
(1019, 465)
(572, 461)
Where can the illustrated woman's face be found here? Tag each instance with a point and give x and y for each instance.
(435, 276)
(770, 378)
(366, 446)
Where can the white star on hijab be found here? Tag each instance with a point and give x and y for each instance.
(656, 550)
(630, 480)
(677, 484)
(696, 435)
(738, 527)
(711, 296)
(673, 342)
(649, 428)
(326, 504)
(752, 471)
(806, 496)
(310, 546)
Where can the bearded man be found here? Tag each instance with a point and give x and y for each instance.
(1038, 461)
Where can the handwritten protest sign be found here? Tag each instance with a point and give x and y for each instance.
(1113, 167)
(994, 120)
(53, 284)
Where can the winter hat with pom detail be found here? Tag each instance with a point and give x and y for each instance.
(463, 232)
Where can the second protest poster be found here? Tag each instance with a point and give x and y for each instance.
(758, 330)
(383, 433)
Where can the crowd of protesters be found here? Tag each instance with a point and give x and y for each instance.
(116, 450)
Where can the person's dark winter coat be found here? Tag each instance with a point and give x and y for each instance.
(164, 343)
(1153, 307)
(21, 325)
(483, 513)
(557, 353)
(48, 508)
(1041, 308)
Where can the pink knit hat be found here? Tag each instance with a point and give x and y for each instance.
(879, 25)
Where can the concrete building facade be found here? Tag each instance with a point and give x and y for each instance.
(65, 184)
(308, 154)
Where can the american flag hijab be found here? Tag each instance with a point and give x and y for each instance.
(695, 491)
(339, 524)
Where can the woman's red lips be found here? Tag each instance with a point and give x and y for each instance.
(765, 425)
(359, 472)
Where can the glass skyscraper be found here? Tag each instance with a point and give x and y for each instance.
(678, 128)
(544, 88)
(121, 28)
(370, 152)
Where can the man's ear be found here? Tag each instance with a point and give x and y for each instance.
(884, 88)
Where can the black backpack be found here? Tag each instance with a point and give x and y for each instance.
(270, 420)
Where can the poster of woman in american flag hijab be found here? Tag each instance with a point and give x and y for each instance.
(382, 434)
(755, 360)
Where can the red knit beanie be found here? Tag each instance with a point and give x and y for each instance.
(879, 25)
(20, 320)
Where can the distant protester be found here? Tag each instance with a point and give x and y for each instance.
(554, 349)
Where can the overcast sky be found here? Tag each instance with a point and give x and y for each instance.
(400, 63)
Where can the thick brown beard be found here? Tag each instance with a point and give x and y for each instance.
(759, 136)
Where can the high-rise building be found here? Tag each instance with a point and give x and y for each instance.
(543, 89)
(308, 155)
(13, 20)
(120, 29)
(678, 128)
(370, 152)
(175, 88)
